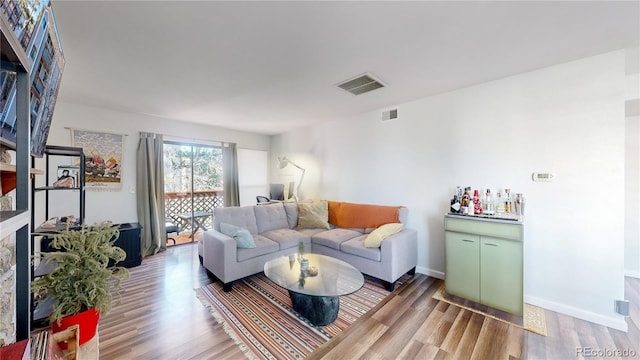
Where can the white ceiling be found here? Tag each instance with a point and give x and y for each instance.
(269, 67)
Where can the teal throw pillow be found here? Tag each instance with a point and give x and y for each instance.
(242, 236)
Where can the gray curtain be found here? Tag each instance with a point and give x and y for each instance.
(150, 193)
(230, 174)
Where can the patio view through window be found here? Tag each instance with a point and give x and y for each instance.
(192, 188)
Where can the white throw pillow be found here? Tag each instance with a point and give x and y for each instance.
(374, 239)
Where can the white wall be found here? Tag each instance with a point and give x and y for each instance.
(120, 206)
(632, 165)
(632, 198)
(567, 119)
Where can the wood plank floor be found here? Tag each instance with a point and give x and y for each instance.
(183, 238)
(160, 318)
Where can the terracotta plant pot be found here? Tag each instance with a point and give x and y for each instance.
(87, 324)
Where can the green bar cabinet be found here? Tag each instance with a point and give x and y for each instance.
(484, 261)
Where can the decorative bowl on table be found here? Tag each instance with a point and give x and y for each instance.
(313, 271)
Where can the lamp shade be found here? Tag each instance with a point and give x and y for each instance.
(283, 161)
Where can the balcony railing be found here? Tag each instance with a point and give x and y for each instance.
(181, 202)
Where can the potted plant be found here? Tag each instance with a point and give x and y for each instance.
(82, 281)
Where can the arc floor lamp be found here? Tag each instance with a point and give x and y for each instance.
(283, 161)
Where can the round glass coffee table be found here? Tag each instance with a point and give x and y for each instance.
(315, 292)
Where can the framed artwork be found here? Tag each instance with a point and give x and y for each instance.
(68, 176)
(103, 158)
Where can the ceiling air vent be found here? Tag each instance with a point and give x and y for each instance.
(361, 84)
(390, 115)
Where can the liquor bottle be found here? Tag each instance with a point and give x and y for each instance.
(465, 201)
(470, 201)
(488, 204)
(519, 204)
(455, 204)
(499, 203)
(507, 201)
(477, 204)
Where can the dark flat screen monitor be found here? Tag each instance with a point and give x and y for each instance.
(276, 191)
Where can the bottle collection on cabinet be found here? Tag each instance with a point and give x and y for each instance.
(504, 204)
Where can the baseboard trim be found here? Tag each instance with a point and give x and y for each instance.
(617, 323)
(632, 273)
(429, 272)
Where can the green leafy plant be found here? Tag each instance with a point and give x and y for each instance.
(82, 278)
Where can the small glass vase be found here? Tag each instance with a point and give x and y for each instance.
(304, 265)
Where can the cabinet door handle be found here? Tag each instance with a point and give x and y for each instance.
(491, 244)
(465, 240)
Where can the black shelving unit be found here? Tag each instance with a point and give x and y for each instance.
(40, 313)
(66, 151)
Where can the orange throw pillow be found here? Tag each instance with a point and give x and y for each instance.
(350, 215)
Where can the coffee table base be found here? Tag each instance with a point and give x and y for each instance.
(319, 310)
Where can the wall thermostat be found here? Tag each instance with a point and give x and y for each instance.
(542, 176)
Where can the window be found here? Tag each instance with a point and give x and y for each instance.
(252, 175)
(193, 187)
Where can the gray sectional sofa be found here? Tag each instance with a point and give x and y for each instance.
(274, 228)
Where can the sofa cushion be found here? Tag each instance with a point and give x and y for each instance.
(356, 247)
(287, 238)
(291, 208)
(349, 215)
(243, 217)
(360, 230)
(310, 232)
(374, 239)
(334, 237)
(263, 246)
(242, 236)
(270, 217)
(313, 215)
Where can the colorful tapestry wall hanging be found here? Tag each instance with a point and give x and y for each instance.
(103, 158)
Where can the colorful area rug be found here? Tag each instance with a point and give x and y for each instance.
(257, 314)
(534, 319)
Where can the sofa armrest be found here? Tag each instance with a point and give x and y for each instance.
(216, 247)
(399, 253)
